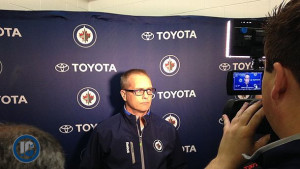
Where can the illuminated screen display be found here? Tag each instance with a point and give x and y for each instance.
(247, 81)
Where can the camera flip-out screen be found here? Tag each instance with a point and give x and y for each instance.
(244, 82)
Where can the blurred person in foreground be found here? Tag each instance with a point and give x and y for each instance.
(50, 156)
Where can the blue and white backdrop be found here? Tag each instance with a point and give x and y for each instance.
(60, 72)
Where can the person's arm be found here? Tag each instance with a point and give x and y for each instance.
(92, 157)
(238, 138)
(177, 159)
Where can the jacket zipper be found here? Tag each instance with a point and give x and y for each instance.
(141, 146)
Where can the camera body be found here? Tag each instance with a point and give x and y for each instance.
(233, 106)
(246, 40)
(245, 82)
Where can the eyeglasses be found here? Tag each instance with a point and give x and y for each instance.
(140, 92)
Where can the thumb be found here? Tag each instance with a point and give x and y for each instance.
(262, 142)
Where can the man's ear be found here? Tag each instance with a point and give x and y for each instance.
(123, 94)
(280, 81)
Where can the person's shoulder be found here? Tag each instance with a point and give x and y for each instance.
(163, 127)
(159, 121)
(109, 122)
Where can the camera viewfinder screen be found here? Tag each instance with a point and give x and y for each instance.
(247, 81)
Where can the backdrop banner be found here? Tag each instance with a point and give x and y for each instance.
(60, 71)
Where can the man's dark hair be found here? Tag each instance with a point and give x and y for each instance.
(51, 153)
(282, 38)
(124, 77)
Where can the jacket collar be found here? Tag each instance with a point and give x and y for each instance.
(128, 113)
(133, 119)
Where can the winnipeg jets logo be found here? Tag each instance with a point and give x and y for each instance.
(158, 145)
(88, 98)
(84, 35)
(169, 65)
(173, 119)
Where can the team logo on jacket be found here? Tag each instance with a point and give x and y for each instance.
(169, 65)
(173, 119)
(158, 145)
(88, 98)
(84, 35)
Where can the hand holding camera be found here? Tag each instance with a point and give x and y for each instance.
(238, 136)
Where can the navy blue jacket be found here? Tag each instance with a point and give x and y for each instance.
(281, 154)
(118, 143)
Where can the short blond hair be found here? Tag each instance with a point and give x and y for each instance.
(125, 76)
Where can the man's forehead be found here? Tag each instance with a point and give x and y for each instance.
(139, 81)
(137, 76)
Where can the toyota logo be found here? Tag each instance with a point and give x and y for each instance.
(147, 36)
(62, 67)
(224, 66)
(66, 129)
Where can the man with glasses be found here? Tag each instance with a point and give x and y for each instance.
(135, 138)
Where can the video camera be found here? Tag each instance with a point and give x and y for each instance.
(246, 82)
(233, 105)
(246, 40)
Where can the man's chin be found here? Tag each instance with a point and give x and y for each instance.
(144, 110)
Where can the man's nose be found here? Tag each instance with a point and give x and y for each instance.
(145, 95)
